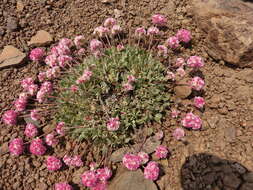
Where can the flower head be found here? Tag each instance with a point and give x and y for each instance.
(127, 86)
(195, 62)
(131, 78)
(89, 179)
(35, 115)
(10, 117)
(25, 83)
(139, 32)
(113, 124)
(51, 140)
(159, 20)
(60, 128)
(178, 133)
(173, 42)
(53, 163)
(31, 130)
(62, 186)
(162, 50)
(120, 47)
(181, 72)
(174, 113)
(170, 76)
(184, 35)
(191, 121)
(16, 146)
(66, 42)
(20, 104)
(95, 45)
(179, 62)
(79, 41)
(51, 60)
(85, 77)
(37, 147)
(199, 102)
(144, 157)
(151, 171)
(110, 22)
(37, 54)
(101, 31)
(197, 83)
(161, 151)
(153, 31)
(131, 161)
(116, 29)
(104, 174)
(42, 76)
(63, 60)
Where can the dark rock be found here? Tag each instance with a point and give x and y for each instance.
(231, 180)
(248, 177)
(247, 186)
(228, 26)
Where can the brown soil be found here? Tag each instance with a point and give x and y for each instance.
(228, 124)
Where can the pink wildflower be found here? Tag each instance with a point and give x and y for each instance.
(184, 35)
(37, 147)
(32, 89)
(31, 130)
(131, 161)
(47, 87)
(10, 117)
(89, 179)
(179, 62)
(191, 121)
(16, 146)
(20, 104)
(116, 29)
(62, 49)
(178, 133)
(64, 60)
(25, 83)
(95, 45)
(174, 113)
(62, 186)
(113, 124)
(181, 72)
(81, 51)
(173, 42)
(199, 102)
(23, 95)
(37, 54)
(153, 31)
(159, 135)
(66, 42)
(151, 171)
(170, 76)
(35, 115)
(120, 47)
(60, 128)
(131, 78)
(104, 174)
(53, 163)
(51, 140)
(195, 62)
(197, 83)
(85, 77)
(51, 60)
(79, 41)
(110, 22)
(74, 88)
(139, 32)
(162, 50)
(159, 20)
(161, 151)
(42, 76)
(127, 87)
(77, 161)
(101, 31)
(144, 157)
(101, 185)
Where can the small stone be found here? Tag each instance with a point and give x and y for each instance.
(183, 90)
(41, 38)
(230, 134)
(20, 6)
(127, 180)
(212, 121)
(11, 56)
(4, 148)
(12, 24)
(48, 129)
(42, 186)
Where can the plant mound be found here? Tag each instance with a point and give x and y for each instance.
(127, 87)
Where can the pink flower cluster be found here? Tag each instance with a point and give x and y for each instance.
(29, 86)
(197, 83)
(144, 157)
(195, 62)
(131, 161)
(35, 115)
(113, 124)
(21, 102)
(173, 42)
(45, 89)
(75, 161)
(162, 50)
(153, 31)
(60, 128)
(170, 75)
(62, 186)
(51, 140)
(180, 72)
(37, 54)
(96, 179)
(79, 41)
(174, 113)
(101, 31)
(96, 47)
(179, 62)
(37, 147)
(85, 76)
(191, 121)
(53, 163)
(161, 151)
(116, 29)
(128, 85)
(159, 20)
(184, 35)
(16, 146)
(110, 22)
(199, 102)
(139, 32)
(151, 171)
(178, 133)
(31, 130)
(10, 117)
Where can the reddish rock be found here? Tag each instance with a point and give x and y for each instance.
(228, 26)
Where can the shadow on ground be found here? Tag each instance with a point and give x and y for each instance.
(208, 172)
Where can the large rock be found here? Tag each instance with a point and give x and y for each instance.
(41, 38)
(228, 25)
(131, 180)
(11, 56)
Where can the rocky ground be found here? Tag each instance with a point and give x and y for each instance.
(225, 140)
